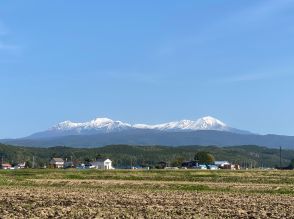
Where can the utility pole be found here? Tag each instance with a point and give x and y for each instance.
(33, 162)
(280, 157)
(1, 166)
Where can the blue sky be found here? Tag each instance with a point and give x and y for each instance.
(146, 62)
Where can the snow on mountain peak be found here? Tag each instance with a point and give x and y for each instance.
(108, 125)
(98, 123)
(102, 120)
(205, 123)
(66, 125)
(209, 122)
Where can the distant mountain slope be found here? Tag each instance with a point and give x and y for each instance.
(156, 137)
(104, 131)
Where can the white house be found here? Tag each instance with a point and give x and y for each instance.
(104, 164)
(57, 163)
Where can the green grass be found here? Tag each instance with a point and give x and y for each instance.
(253, 181)
(252, 176)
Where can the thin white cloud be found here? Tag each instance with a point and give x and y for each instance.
(9, 51)
(142, 78)
(259, 12)
(248, 18)
(275, 73)
(6, 47)
(3, 29)
(245, 78)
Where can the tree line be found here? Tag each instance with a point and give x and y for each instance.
(132, 155)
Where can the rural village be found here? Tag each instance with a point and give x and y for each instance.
(106, 164)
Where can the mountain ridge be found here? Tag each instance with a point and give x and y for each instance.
(157, 137)
(103, 131)
(106, 125)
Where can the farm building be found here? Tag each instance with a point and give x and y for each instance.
(227, 165)
(231, 167)
(21, 165)
(6, 166)
(56, 163)
(190, 164)
(221, 164)
(105, 164)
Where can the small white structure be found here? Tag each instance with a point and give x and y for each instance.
(221, 164)
(202, 167)
(104, 164)
(212, 167)
(56, 163)
(21, 165)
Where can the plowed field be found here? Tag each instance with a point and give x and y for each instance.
(146, 194)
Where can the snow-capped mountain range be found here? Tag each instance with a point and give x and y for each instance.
(205, 123)
(106, 125)
(205, 131)
(102, 124)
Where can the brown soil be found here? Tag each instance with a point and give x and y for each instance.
(115, 199)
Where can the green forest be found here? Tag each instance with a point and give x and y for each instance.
(124, 156)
